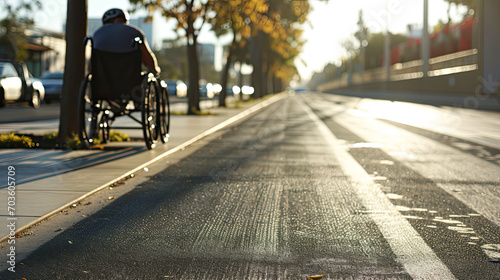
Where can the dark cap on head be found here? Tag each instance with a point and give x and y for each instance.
(111, 14)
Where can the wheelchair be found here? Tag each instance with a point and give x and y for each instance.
(116, 87)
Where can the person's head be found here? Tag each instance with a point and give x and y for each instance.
(115, 16)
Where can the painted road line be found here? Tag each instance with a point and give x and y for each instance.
(439, 162)
(412, 252)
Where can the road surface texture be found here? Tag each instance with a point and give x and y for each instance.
(312, 185)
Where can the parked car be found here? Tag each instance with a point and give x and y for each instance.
(177, 88)
(17, 85)
(52, 82)
(172, 87)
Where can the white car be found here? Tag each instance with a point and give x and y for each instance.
(17, 85)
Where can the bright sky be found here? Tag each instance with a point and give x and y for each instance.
(334, 21)
(330, 23)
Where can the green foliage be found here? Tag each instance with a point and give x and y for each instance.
(115, 136)
(73, 142)
(11, 140)
(281, 43)
(51, 136)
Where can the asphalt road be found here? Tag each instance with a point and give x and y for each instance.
(23, 113)
(312, 185)
(18, 113)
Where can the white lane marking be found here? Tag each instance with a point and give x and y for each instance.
(410, 249)
(436, 161)
(492, 251)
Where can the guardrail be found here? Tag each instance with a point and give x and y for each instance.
(454, 63)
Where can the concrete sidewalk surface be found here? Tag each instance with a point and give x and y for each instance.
(37, 183)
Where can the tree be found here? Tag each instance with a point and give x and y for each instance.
(74, 69)
(329, 73)
(361, 35)
(172, 60)
(190, 16)
(279, 44)
(242, 18)
(275, 46)
(287, 44)
(235, 16)
(282, 60)
(19, 16)
(374, 51)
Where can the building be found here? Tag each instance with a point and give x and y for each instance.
(46, 51)
(207, 53)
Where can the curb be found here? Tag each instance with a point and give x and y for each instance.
(130, 173)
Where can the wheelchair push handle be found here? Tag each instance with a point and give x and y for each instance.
(136, 42)
(87, 39)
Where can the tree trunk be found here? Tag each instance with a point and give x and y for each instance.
(74, 69)
(225, 73)
(265, 64)
(194, 70)
(239, 81)
(260, 51)
(257, 63)
(277, 84)
(194, 86)
(270, 77)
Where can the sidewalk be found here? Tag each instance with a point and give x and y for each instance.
(48, 181)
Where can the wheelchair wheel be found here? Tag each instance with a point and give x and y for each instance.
(105, 125)
(93, 119)
(149, 114)
(164, 114)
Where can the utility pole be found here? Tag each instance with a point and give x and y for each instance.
(362, 42)
(74, 68)
(387, 45)
(425, 40)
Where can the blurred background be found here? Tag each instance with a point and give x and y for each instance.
(442, 46)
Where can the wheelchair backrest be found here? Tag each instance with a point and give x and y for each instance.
(116, 76)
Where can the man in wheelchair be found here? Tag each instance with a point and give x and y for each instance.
(116, 79)
(116, 35)
(118, 50)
